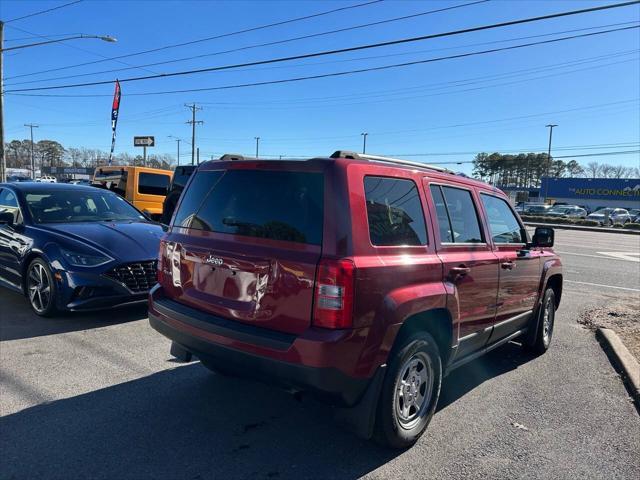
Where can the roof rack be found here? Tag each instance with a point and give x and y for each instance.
(377, 158)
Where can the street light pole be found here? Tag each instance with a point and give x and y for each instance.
(364, 142)
(546, 187)
(3, 158)
(257, 145)
(178, 140)
(33, 164)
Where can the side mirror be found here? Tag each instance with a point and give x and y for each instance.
(6, 218)
(543, 237)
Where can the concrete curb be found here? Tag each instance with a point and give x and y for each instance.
(625, 231)
(622, 358)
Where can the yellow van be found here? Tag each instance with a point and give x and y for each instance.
(144, 187)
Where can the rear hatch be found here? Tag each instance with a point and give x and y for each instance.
(245, 243)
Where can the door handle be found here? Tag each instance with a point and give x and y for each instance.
(508, 265)
(458, 272)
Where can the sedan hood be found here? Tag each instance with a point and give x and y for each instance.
(124, 241)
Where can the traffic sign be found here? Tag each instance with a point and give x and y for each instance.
(147, 141)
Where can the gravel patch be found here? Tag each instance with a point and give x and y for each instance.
(623, 318)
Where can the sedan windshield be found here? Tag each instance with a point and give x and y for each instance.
(604, 211)
(79, 205)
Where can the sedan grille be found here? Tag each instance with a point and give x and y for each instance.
(138, 277)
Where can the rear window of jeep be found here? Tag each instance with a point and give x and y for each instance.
(277, 205)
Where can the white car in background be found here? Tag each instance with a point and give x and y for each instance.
(46, 179)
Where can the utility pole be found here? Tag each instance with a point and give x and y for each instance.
(3, 159)
(193, 124)
(257, 145)
(546, 186)
(364, 142)
(33, 165)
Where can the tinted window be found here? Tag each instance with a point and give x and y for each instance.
(441, 212)
(153, 184)
(465, 227)
(503, 224)
(114, 180)
(394, 212)
(9, 203)
(8, 198)
(181, 176)
(256, 203)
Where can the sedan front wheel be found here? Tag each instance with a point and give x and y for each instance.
(40, 288)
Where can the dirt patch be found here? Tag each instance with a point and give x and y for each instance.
(622, 318)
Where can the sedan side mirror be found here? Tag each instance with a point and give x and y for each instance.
(543, 237)
(6, 218)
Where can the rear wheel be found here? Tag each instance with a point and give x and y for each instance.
(410, 391)
(541, 340)
(41, 288)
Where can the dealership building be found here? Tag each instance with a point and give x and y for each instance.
(592, 193)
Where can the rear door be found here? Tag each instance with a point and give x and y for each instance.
(520, 269)
(245, 244)
(469, 263)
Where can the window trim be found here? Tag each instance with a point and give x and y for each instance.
(422, 205)
(484, 243)
(515, 214)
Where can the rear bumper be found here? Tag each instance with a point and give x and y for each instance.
(257, 353)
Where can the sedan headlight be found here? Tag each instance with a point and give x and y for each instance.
(78, 259)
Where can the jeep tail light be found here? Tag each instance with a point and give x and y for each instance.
(333, 303)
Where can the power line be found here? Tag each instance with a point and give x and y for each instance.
(309, 77)
(207, 39)
(365, 47)
(43, 11)
(260, 45)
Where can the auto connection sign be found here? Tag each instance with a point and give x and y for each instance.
(593, 188)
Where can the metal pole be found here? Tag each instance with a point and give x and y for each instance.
(257, 145)
(3, 159)
(33, 164)
(178, 140)
(546, 187)
(364, 142)
(144, 156)
(193, 133)
(198, 154)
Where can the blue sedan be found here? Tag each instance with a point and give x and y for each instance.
(70, 247)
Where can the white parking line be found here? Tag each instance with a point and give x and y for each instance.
(591, 256)
(604, 286)
(630, 257)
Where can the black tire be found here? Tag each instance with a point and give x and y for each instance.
(40, 288)
(392, 429)
(545, 321)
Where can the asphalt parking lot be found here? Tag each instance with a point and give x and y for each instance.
(98, 396)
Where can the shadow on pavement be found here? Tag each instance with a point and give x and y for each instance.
(464, 379)
(17, 320)
(189, 423)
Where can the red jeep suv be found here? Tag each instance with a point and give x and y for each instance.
(362, 279)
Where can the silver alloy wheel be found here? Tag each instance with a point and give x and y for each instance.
(39, 288)
(413, 389)
(547, 321)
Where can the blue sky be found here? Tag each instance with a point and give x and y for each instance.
(446, 110)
